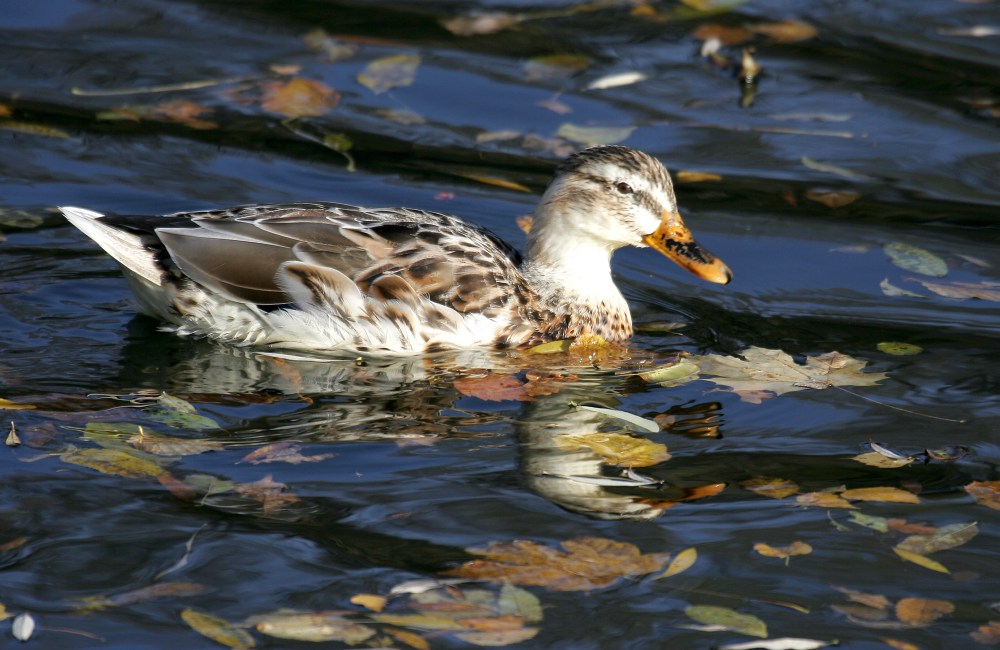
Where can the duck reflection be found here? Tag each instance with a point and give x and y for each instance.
(414, 401)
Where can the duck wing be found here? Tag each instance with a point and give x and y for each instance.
(315, 254)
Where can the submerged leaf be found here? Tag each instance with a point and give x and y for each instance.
(519, 602)
(891, 290)
(964, 290)
(986, 493)
(823, 500)
(218, 630)
(915, 259)
(284, 452)
(594, 135)
(728, 619)
(181, 414)
(390, 72)
(555, 66)
(776, 488)
(944, 538)
(922, 611)
(617, 448)
(298, 97)
(480, 23)
(114, 462)
(787, 31)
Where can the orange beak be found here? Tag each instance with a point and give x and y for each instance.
(673, 239)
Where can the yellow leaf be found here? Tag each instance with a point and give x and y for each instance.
(922, 611)
(114, 462)
(832, 199)
(373, 602)
(525, 222)
(875, 459)
(887, 494)
(389, 72)
(519, 602)
(551, 347)
(411, 639)
(671, 374)
(898, 348)
(499, 637)
(497, 182)
(923, 561)
(617, 448)
(684, 176)
(896, 644)
(299, 97)
(217, 629)
(681, 563)
(964, 290)
(14, 406)
(823, 500)
(776, 488)
(795, 548)
(33, 129)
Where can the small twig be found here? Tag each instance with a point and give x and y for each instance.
(899, 408)
(163, 88)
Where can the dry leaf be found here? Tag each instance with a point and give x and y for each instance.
(896, 644)
(921, 560)
(161, 445)
(495, 181)
(786, 31)
(901, 526)
(776, 488)
(988, 634)
(5, 110)
(876, 459)
(726, 35)
(298, 97)
(374, 602)
(776, 371)
(594, 135)
(964, 290)
(525, 222)
(795, 548)
(480, 23)
(832, 199)
(886, 494)
(218, 630)
(681, 563)
(823, 500)
(915, 259)
(312, 626)
(493, 387)
(684, 176)
(617, 448)
(582, 564)
(283, 452)
(942, 539)
(269, 493)
(184, 112)
(986, 493)
(14, 406)
(411, 639)
(728, 619)
(389, 72)
(876, 601)
(919, 612)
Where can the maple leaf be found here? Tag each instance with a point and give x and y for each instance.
(583, 564)
(775, 371)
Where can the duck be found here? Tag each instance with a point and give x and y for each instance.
(333, 277)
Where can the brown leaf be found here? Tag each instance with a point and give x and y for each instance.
(900, 525)
(832, 199)
(885, 494)
(5, 110)
(823, 499)
(725, 34)
(964, 290)
(493, 387)
(942, 539)
(525, 222)
(877, 601)
(495, 181)
(795, 548)
(219, 630)
(269, 493)
(988, 634)
(776, 488)
(582, 564)
(161, 445)
(919, 612)
(897, 644)
(986, 493)
(184, 112)
(786, 31)
(389, 72)
(298, 97)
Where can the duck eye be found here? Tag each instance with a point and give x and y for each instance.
(623, 188)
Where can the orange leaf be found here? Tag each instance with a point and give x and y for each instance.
(726, 35)
(795, 548)
(374, 602)
(988, 634)
(493, 387)
(986, 493)
(776, 488)
(184, 112)
(876, 601)
(886, 494)
(901, 526)
(525, 222)
(922, 611)
(299, 97)
(411, 639)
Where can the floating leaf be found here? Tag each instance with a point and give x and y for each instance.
(915, 259)
(181, 414)
(411, 639)
(269, 493)
(142, 595)
(964, 290)
(681, 563)
(823, 500)
(881, 524)
(401, 116)
(891, 290)
(776, 371)
(525, 222)
(728, 619)
(519, 602)
(617, 448)
(312, 626)
(922, 560)
(881, 459)
(555, 66)
(684, 176)
(616, 80)
(498, 638)
(493, 387)
(298, 97)
(495, 182)
(988, 634)
(342, 144)
(919, 612)
(986, 493)
(635, 421)
(283, 452)
(419, 621)
(671, 374)
(784, 552)
(776, 488)
(786, 31)
(184, 112)
(389, 72)
(832, 199)
(480, 23)
(725, 34)
(898, 348)
(551, 347)
(594, 135)
(33, 129)
(374, 602)
(781, 643)
(12, 440)
(944, 538)
(876, 601)
(583, 564)
(885, 494)
(218, 630)
(333, 48)
(161, 445)
(114, 462)
(14, 406)
(556, 106)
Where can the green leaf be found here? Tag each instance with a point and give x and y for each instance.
(916, 259)
(515, 601)
(217, 629)
(672, 374)
(729, 619)
(881, 524)
(180, 414)
(898, 348)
